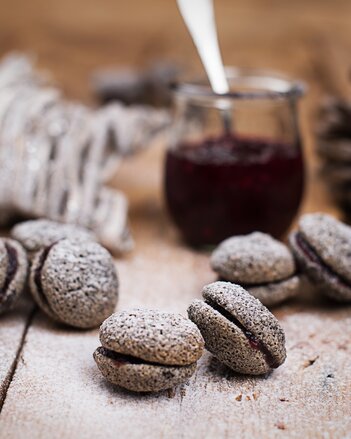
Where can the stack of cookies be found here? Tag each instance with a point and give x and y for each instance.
(262, 265)
(334, 148)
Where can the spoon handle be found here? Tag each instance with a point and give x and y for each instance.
(199, 18)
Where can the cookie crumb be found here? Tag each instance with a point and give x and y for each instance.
(182, 392)
(310, 362)
(280, 426)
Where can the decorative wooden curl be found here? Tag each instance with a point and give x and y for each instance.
(55, 155)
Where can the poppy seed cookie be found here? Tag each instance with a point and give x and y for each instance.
(13, 272)
(75, 282)
(322, 246)
(36, 234)
(262, 265)
(147, 350)
(238, 329)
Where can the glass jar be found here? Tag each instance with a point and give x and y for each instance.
(234, 163)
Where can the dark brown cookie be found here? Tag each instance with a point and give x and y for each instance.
(322, 246)
(13, 272)
(264, 266)
(238, 329)
(75, 282)
(147, 350)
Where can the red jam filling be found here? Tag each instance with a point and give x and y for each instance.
(230, 185)
(254, 342)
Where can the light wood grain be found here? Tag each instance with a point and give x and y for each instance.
(56, 390)
(13, 329)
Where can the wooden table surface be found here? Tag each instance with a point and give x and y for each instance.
(49, 384)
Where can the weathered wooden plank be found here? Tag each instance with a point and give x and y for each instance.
(56, 390)
(13, 329)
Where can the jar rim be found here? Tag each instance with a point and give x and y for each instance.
(255, 83)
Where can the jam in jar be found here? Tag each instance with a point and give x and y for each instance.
(227, 179)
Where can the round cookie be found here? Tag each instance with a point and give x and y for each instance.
(322, 248)
(75, 282)
(13, 272)
(252, 259)
(238, 329)
(140, 377)
(148, 350)
(36, 234)
(262, 265)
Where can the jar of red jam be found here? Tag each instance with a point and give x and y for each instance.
(234, 163)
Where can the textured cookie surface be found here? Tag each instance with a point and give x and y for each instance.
(276, 292)
(13, 272)
(327, 280)
(3, 263)
(252, 259)
(153, 336)
(238, 329)
(330, 239)
(142, 377)
(75, 282)
(36, 234)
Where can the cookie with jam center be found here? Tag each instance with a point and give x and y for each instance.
(147, 350)
(13, 272)
(75, 282)
(264, 266)
(322, 246)
(238, 329)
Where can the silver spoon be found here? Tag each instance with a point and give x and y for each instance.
(199, 18)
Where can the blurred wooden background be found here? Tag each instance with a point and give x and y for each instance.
(49, 384)
(308, 39)
(72, 37)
